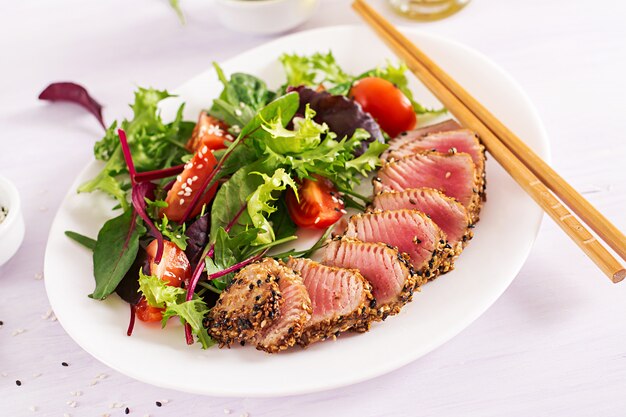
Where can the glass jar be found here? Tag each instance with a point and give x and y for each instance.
(427, 9)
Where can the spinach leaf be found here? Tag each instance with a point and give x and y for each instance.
(242, 97)
(115, 252)
(87, 242)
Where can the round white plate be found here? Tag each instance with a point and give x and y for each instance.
(503, 239)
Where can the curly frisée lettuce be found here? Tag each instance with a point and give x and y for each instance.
(153, 143)
(172, 299)
(259, 203)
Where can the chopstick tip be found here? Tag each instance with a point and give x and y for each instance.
(619, 276)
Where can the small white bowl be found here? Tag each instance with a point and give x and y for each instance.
(264, 17)
(12, 227)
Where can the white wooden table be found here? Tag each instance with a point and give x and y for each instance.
(554, 344)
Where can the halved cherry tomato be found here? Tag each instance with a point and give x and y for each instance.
(188, 183)
(209, 132)
(320, 204)
(147, 313)
(174, 269)
(386, 103)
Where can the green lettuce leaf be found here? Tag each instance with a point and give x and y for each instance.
(260, 203)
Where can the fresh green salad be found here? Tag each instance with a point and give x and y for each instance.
(197, 201)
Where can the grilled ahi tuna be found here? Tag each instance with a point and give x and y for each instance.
(412, 135)
(453, 174)
(341, 300)
(266, 304)
(450, 215)
(453, 141)
(412, 232)
(389, 272)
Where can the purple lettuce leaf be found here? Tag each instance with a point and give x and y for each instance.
(342, 115)
(73, 93)
(198, 238)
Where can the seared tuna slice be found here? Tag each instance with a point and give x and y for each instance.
(453, 174)
(247, 305)
(389, 272)
(295, 311)
(260, 306)
(453, 141)
(341, 299)
(450, 215)
(412, 135)
(412, 232)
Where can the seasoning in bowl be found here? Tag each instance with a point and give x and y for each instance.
(4, 212)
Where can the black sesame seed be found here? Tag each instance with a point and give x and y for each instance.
(403, 133)
(158, 403)
(18, 383)
(64, 364)
(127, 410)
(1, 323)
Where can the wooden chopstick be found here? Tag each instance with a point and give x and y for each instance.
(576, 202)
(509, 161)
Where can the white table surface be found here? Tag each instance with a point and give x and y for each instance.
(553, 344)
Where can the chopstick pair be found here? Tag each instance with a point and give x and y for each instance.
(522, 164)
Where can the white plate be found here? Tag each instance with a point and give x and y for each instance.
(504, 236)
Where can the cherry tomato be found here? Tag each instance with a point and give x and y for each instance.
(386, 103)
(320, 204)
(147, 313)
(174, 267)
(188, 183)
(209, 132)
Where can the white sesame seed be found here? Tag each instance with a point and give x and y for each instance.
(179, 178)
(238, 112)
(17, 332)
(94, 382)
(194, 178)
(33, 408)
(181, 192)
(72, 404)
(200, 166)
(47, 315)
(448, 174)
(39, 276)
(35, 375)
(343, 211)
(317, 220)
(165, 401)
(106, 415)
(204, 149)
(182, 201)
(335, 200)
(67, 415)
(187, 193)
(244, 414)
(189, 181)
(241, 104)
(102, 376)
(227, 411)
(4, 374)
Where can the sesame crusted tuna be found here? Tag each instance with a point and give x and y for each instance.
(453, 174)
(462, 140)
(412, 232)
(295, 311)
(389, 272)
(266, 304)
(450, 215)
(412, 135)
(341, 300)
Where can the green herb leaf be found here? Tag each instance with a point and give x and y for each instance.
(157, 292)
(87, 242)
(114, 253)
(259, 202)
(174, 232)
(312, 70)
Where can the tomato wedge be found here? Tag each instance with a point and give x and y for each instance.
(209, 132)
(320, 204)
(188, 183)
(386, 103)
(174, 269)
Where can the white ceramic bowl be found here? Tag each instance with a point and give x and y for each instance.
(12, 228)
(264, 17)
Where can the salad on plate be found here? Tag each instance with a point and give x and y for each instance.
(206, 210)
